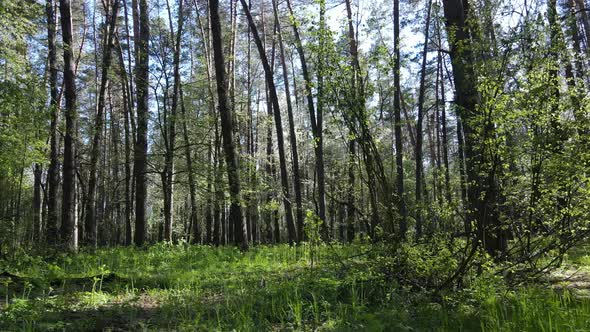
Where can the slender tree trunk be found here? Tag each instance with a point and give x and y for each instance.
(292, 133)
(462, 175)
(357, 91)
(68, 221)
(443, 120)
(115, 190)
(572, 28)
(129, 74)
(218, 198)
(419, 136)
(278, 123)
(130, 127)
(316, 120)
(127, 109)
(585, 22)
(274, 230)
(554, 47)
(191, 175)
(141, 143)
(53, 170)
(37, 221)
(358, 123)
(231, 156)
(350, 208)
(212, 208)
(399, 154)
(252, 214)
(272, 223)
(171, 124)
(208, 208)
(233, 231)
(90, 225)
(223, 221)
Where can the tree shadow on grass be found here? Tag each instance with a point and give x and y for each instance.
(139, 315)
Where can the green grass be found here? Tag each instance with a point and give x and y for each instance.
(188, 288)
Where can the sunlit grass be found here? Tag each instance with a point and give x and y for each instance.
(180, 287)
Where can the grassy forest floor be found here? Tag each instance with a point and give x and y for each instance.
(278, 288)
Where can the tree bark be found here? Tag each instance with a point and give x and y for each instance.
(419, 136)
(481, 193)
(191, 175)
(585, 22)
(399, 145)
(90, 225)
(358, 123)
(141, 143)
(292, 133)
(227, 126)
(316, 120)
(171, 124)
(68, 221)
(127, 107)
(278, 123)
(53, 170)
(443, 119)
(37, 216)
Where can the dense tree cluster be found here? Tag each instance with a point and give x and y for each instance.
(135, 121)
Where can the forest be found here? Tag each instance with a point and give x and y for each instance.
(294, 165)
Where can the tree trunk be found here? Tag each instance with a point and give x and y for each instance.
(419, 136)
(585, 22)
(212, 208)
(292, 133)
(252, 209)
(53, 170)
(572, 29)
(399, 154)
(350, 208)
(278, 123)
(231, 157)
(115, 213)
(171, 124)
(481, 193)
(141, 143)
(443, 119)
(90, 225)
(37, 221)
(358, 124)
(358, 95)
(218, 198)
(68, 221)
(127, 109)
(208, 208)
(316, 120)
(191, 175)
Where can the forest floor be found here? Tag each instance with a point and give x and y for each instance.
(278, 288)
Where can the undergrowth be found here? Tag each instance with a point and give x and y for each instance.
(271, 288)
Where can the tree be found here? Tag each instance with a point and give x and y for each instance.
(231, 157)
(481, 193)
(268, 73)
(171, 126)
(53, 170)
(141, 143)
(399, 153)
(90, 234)
(69, 218)
(316, 120)
(419, 135)
(292, 133)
